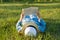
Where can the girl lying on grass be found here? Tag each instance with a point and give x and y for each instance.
(31, 14)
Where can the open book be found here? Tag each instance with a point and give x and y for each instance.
(30, 10)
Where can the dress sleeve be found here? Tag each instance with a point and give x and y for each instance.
(42, 25)
(19, 26)
(42, 22)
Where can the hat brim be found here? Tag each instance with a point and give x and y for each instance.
(29, 23)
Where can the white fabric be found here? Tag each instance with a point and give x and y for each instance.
(24, 21)
(19, 28)
(39, 20)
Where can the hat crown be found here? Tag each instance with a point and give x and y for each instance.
(30, 31)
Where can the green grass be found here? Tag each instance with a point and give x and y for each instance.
(9, 16)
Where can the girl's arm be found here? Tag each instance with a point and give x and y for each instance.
(38, 14)
(42, 25)
(22, 15)
(19, 23)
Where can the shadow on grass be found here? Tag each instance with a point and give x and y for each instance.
(53, 30)
(53, 25)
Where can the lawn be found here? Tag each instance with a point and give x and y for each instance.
(10, 14)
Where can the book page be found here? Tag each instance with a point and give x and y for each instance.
(30, 10)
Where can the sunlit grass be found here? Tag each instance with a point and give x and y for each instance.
(10, 15)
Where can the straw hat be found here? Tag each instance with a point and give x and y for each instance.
(28, 11)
